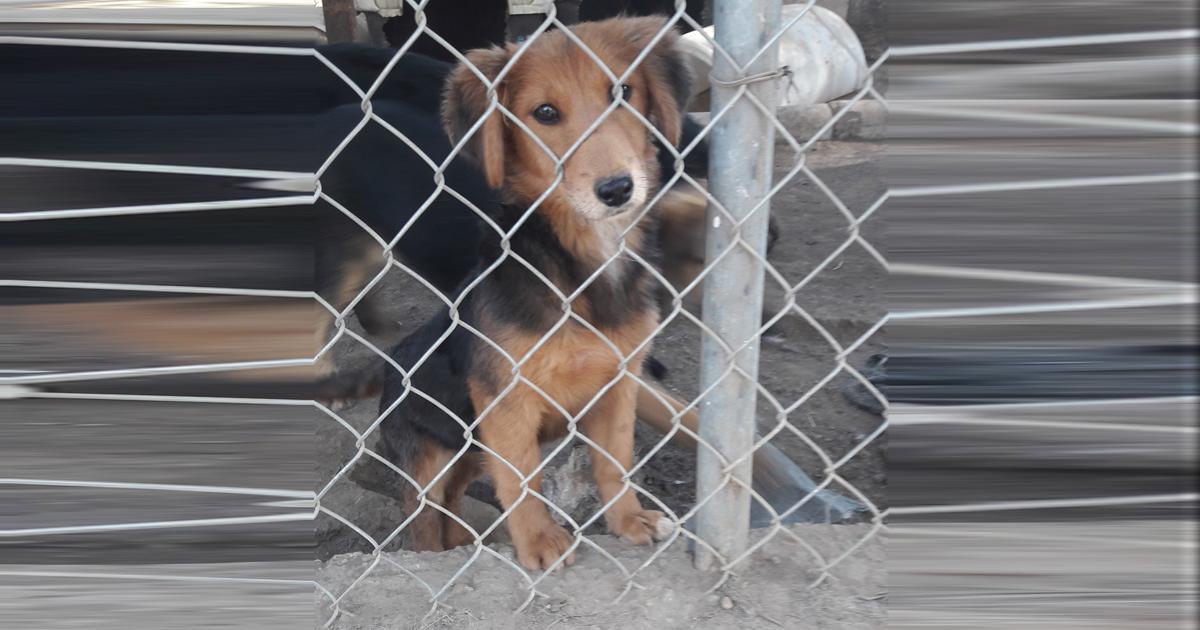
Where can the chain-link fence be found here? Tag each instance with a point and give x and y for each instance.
(742, 132)
(735, 418)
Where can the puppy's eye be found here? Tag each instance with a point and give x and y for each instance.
(546, 114)
(625, 92)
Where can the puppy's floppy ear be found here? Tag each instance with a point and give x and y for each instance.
(465, 100)
(667, 79)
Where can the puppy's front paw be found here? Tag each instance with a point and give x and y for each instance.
(640, 527)
(540, 549)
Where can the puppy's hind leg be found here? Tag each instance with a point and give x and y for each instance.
(425, 530)
(466, 469)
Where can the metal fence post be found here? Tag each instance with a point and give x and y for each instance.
(340, 20)
(740, 167)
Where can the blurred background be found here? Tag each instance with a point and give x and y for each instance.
(1043, 348)
(222, 492)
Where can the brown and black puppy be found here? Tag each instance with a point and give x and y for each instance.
(483, 390)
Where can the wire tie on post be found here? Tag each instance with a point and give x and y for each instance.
(783, 71)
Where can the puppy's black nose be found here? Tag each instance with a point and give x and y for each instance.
(614, 191)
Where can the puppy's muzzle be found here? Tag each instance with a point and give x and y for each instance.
(615, 192)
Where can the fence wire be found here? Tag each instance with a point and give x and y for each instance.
(740, 82)
(727, 464)
(25, 385)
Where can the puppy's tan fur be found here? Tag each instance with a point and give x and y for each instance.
(573, 367)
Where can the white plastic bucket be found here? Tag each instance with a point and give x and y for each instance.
(823, 53)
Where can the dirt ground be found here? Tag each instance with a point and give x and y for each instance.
(669, 594)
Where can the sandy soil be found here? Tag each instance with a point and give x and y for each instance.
(772, 592)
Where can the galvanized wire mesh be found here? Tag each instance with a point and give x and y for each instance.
(742, 87)
(740, 82)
